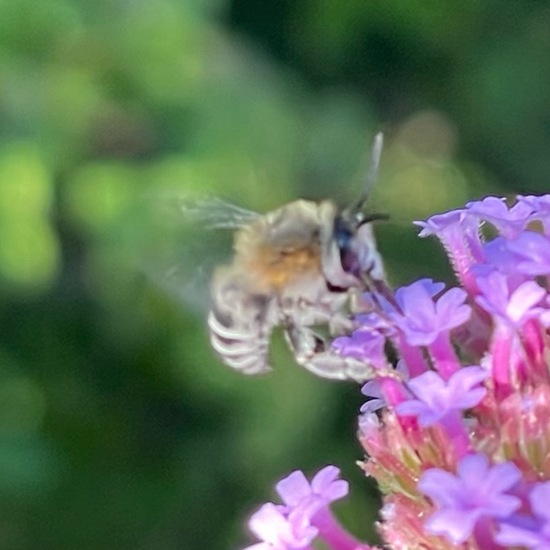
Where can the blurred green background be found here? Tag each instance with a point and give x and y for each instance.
(119, 429)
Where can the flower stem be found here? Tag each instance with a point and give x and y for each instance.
(444, 356)
(336, 537)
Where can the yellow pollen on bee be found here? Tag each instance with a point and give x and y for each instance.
(278, 268)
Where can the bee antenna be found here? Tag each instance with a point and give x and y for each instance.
(376, 153)
(372, 175)
(375, 217)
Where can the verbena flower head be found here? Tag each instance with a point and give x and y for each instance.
(457, 437)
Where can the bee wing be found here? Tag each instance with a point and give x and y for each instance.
(189, 236)
(215, 213)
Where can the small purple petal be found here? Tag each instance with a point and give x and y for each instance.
(510, 307)
(478, 490)
(326, 483)
(372, 389)
(422, 320)
(364, 345)
(441, 486)
(295, 490)
(539, 499)
(523, 301)
(435, 398)
(451, 305)
(440, 223)
(540, 206)
(463, 385)
(374, 322)
(532, 251)
(456, 525)
(522, 532)
(372, 406)
(498, 256)
(489, 206)
(528, 531)
(509, 221)
(428, 287)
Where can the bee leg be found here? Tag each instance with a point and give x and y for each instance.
(313, 353)
(240, 325)
(340, 324)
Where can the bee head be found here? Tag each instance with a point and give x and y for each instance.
(355, 241)
(352, 226)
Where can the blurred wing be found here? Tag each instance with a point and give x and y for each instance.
(188, 237)
(215, 213)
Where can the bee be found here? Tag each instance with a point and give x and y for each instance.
(302, 267)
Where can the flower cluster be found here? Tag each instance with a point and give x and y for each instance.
(456, 434)
(304, 515)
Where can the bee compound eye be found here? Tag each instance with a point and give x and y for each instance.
(345, 240)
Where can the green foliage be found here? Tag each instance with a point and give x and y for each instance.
(118, 427)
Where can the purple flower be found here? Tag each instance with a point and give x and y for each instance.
(441, 225)
(279, 531)
(435, 398)
(509, 221)
(307, 503)
(512, 307)
(376, 402)
(363, 344)
(423, 320)
(477, 490)
(540, 206)
(539, 203)
(373, 390)
(433, 288)
(304, 515)
(375, 321)
(528, 531)
(459, 234)
(533, 253)
(325, 487)
(498, 257)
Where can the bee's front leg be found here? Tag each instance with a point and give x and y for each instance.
(313, 352)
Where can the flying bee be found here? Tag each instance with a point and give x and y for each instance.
(301, 267)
